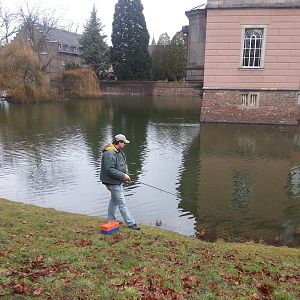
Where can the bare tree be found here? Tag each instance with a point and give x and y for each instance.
(8, 24)
(36, 26)
(164, 39)
(71, 26)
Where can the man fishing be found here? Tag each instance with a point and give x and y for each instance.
(114, 172)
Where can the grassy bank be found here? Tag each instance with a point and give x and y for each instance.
(45, 254)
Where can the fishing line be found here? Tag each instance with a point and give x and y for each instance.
(154, 187)
(173, 194)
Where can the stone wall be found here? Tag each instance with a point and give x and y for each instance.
(274, 107)
(150, 88)
(196, 45)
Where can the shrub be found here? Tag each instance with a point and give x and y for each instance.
(21, 75)
(80, 83)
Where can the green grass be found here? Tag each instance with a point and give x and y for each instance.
(43, 256)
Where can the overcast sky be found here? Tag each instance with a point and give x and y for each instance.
(161, 15)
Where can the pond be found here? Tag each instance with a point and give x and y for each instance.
(215, 181)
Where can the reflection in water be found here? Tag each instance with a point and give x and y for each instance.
(234, 182)
(241, 190)
(243, 187)
(294, 181)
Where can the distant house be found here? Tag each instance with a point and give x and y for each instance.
(247, 53)
(56, 47)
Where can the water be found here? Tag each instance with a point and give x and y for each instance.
(235, 182)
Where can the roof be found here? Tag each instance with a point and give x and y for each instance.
(64, 37)
(195, 9)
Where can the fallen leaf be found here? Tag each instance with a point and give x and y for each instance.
(38, 291)
(255, 296)
(230, 257)
(5, 253)
(39, 260)
(20, 287)
(83, 243)
(264, 288)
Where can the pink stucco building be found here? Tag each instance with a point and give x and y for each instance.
(251, 60)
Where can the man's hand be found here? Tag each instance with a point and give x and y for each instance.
(126, 178)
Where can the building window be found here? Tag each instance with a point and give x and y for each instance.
(253, 99)
(244, 100)
(253, 44)
(59, 46)
(249, 100)
(63, 63)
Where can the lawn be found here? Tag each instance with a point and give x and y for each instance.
(46, 254)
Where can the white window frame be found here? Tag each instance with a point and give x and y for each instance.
(247, 100)
(263, 46)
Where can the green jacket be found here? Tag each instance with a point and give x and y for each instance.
(113, 165)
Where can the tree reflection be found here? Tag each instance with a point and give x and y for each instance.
(241, 189)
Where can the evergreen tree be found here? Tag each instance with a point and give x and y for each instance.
(159, 59)
(159, 63)
(94, 48)
(130, 39)
(176, 57)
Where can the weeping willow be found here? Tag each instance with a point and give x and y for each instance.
(80, 83)
(20, 74)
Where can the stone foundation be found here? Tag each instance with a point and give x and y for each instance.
(273, 107)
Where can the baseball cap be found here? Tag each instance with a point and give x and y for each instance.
(121, 137)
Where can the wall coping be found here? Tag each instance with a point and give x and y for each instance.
(251, 89)
(199, 11)
(151, 83)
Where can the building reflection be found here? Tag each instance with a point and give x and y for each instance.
(244, 183)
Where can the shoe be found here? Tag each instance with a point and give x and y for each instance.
(134, 227)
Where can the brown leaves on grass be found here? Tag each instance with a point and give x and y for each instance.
(113, 239)
(151, 286)
(265, 289)
(37, 268)
(231, 279)
(140, 270)
(229, 257)
(5, 253)
(83, 243)
(189, 282)
(20, 287)
(265, 273)
(291, 279)
(208, 256)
